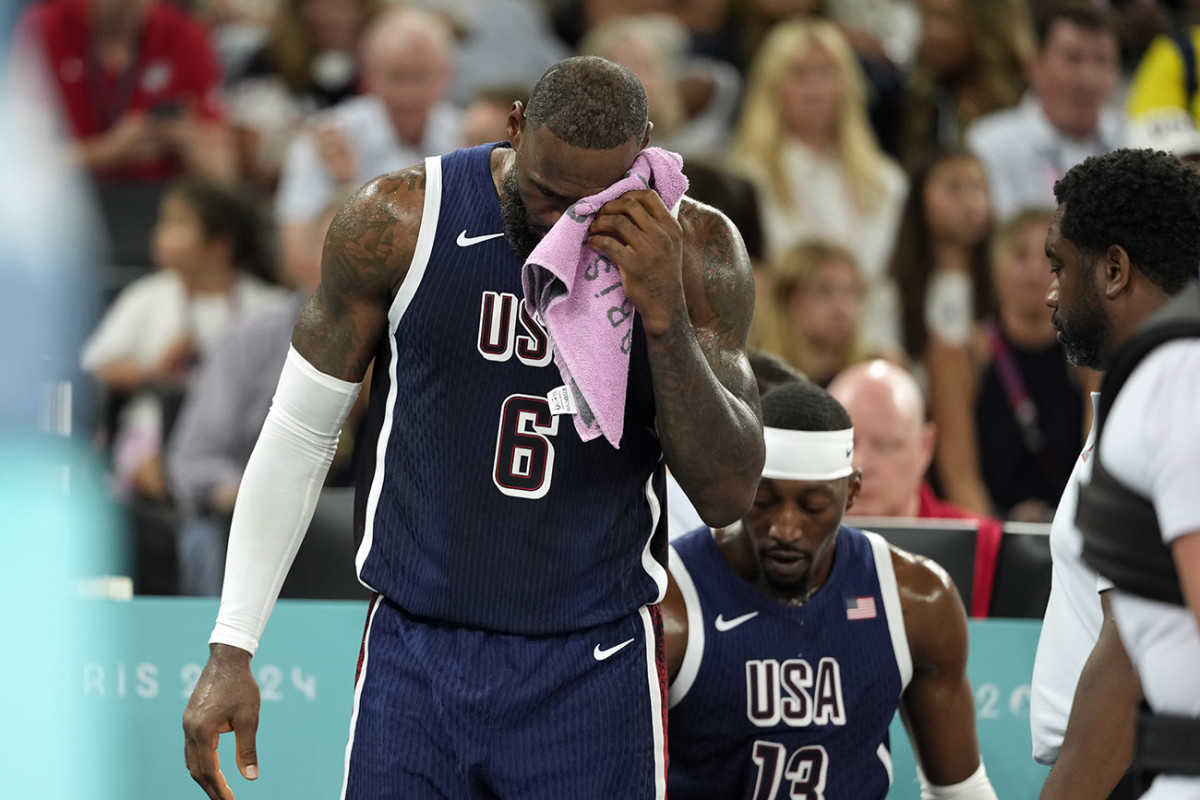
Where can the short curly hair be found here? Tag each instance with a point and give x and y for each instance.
(1146, 201)
(803, 406)
(589, 102)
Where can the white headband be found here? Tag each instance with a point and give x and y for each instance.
(808, 455)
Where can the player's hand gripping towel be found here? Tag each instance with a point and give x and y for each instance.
(577, 292)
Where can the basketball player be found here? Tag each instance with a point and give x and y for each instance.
(513, 650)
(1127, 254)
(792, 639)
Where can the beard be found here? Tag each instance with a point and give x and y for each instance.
(1086, 334)
(519, 234)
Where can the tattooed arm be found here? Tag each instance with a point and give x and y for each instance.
(692, 283)
(367, 252)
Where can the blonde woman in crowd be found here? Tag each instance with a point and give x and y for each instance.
(815, 314)
(971, 62)
(805, 138)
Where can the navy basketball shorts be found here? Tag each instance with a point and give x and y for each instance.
(456, 713)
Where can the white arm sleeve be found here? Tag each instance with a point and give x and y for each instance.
(278, 494)
(976, 787)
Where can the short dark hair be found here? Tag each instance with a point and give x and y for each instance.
(1077, 12)
(589, 102)
(803, 406)
(1146, 201)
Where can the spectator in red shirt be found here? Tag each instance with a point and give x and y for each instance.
(893, 444)
(138, 83)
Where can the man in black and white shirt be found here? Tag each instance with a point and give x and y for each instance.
(1117, 261)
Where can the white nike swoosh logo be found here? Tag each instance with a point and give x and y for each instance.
(467, 241)
(600, 653)
(723, 624)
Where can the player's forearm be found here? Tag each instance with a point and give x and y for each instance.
(712, 439)
(1098, 745)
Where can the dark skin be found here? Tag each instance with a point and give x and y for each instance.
(1091, 764)
(1126, 296)
(786, 547)
(690, 280)
(1097, 746)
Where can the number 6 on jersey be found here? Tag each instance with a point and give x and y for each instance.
(524, 454)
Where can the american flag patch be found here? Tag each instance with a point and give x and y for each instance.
(860, 608)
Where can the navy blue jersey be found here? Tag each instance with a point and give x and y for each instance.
(479, 506)
(775, 702)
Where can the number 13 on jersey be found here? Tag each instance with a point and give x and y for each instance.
(806, 770)
(524, 461)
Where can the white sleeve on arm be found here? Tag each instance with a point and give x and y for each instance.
(976, 787)
(278, 494)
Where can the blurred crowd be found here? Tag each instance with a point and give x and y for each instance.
(890, 164)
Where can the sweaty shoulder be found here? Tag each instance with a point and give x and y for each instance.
(718, 280)
(921, 581)
(934, 616)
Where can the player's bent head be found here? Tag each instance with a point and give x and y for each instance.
(589, 102)
(808, 483)
(800, 405)
(1144, 201)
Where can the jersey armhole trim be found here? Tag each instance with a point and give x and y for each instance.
(694, 653)
(426, 234)
(886, 575)
(654, 569)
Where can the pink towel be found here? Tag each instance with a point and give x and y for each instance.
(579, 296)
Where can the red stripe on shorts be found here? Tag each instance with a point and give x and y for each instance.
(362, 648)
(660, 659)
